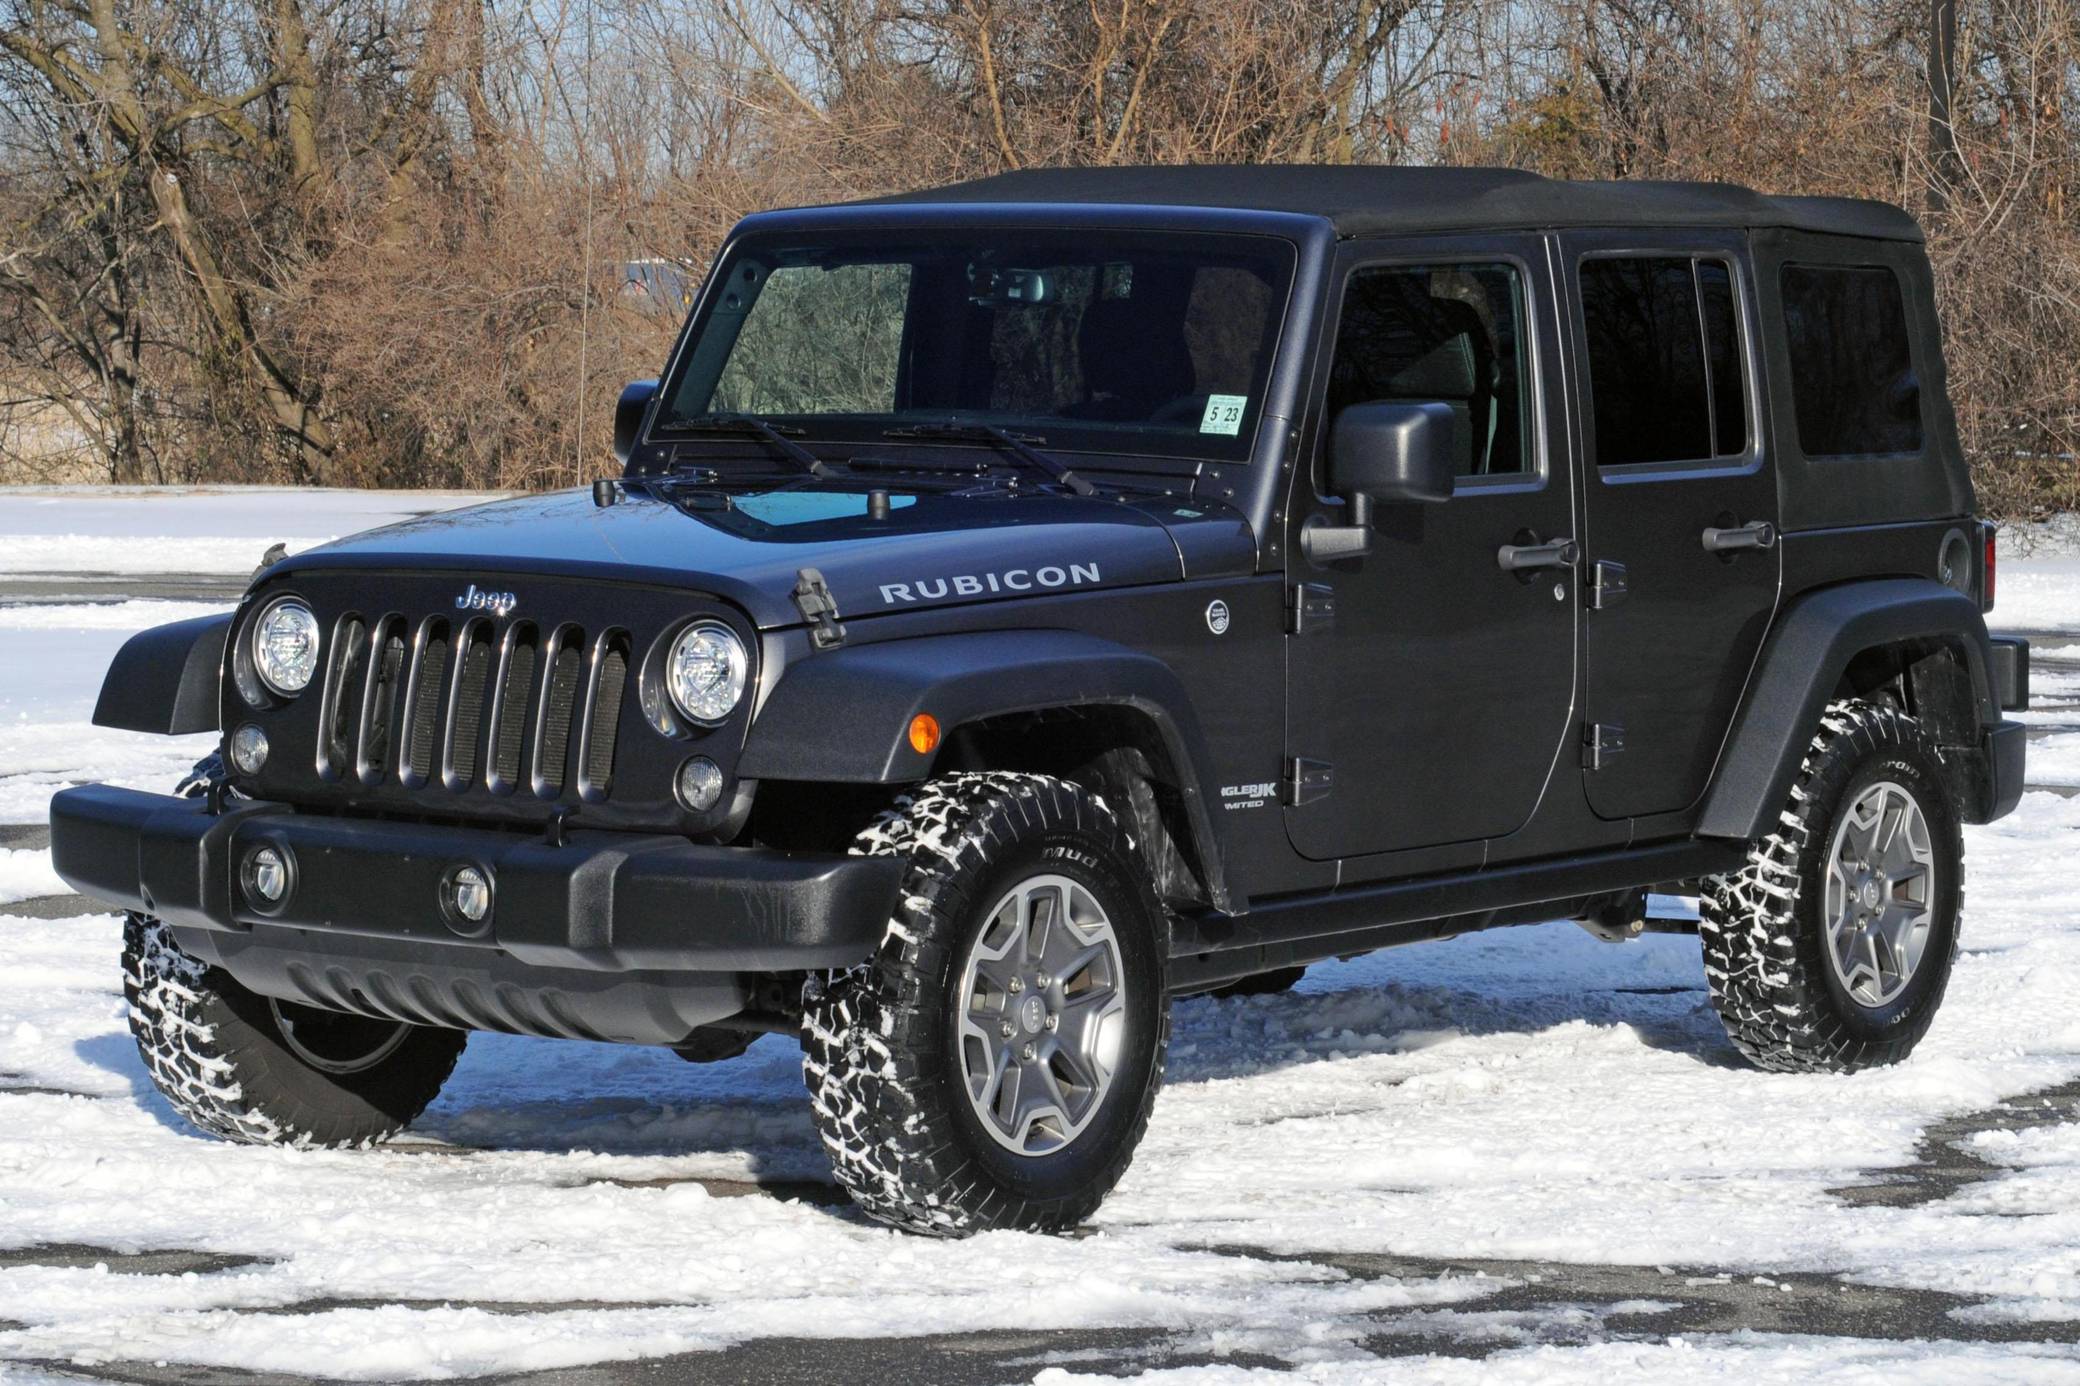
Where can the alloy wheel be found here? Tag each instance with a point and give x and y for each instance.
(1042, 1011)
(1880, 892)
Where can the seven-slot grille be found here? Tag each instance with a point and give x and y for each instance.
(436, 704)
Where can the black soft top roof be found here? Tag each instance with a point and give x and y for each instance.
(1361, 200)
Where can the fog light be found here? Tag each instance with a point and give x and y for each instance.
(267, 876)
(469, 891)
(248, 749)
(700, 784)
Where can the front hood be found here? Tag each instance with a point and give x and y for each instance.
(932, 549)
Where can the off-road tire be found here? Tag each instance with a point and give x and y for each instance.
(216, 1051)
(878, 1039)
(1762, 927)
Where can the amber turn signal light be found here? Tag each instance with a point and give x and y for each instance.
(924, 733)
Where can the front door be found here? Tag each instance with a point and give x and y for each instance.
(1680, 510)
(1428, 686)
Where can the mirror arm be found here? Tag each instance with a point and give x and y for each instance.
(1322, 542)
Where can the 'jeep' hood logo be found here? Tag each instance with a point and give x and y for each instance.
(477, 599)
(976, 584)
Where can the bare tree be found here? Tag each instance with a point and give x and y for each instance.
(387, 241)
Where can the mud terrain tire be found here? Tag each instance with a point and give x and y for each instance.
(882, 1041)
(1765, 928)
(234, 1064)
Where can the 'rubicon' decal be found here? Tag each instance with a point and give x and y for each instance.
(976, 584)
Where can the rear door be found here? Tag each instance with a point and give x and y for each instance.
(1680, 508)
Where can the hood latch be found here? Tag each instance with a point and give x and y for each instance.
(812, 596)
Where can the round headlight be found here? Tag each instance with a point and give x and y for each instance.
(285, 646)
(705, 673)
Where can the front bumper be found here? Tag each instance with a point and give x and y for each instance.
(608, 935)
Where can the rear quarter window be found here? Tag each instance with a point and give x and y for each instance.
(1853, 385)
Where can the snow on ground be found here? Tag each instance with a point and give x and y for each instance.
(204, 529)
(25, 875)
(2039, 570)
(59, 651)
(1737, 1362)
(1528, 1094)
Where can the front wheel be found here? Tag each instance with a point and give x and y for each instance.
(995, 1063)
(252, 1069)
(1830, 950)
(249, 1068)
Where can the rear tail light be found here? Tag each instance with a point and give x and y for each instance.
(1986, 592)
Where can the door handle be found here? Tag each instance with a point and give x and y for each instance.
(1522, 558)
(1760, 535)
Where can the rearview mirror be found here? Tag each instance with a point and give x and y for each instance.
(628, 416)
(1382, 452)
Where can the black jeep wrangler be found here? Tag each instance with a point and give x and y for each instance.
(1029, 601)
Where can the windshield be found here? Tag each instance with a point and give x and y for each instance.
(1083, 340)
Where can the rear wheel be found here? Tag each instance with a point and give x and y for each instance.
(994, 1065)
(1831, 949)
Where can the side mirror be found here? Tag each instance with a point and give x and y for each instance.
(628, 416)
(1382, 452)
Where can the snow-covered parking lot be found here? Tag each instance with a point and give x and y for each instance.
(1519, 1156)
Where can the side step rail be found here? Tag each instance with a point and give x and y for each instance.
(1285, 931)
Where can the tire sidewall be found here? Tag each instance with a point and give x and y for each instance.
(1105, 867)
(1839, 786)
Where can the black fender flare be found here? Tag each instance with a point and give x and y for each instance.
(844, 715)
(1801, 666)
(164, 680)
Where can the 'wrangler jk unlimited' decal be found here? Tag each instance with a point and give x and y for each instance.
(974, 585)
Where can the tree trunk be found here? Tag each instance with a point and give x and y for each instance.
(1945, 167)
(300, 81)
(295, 416)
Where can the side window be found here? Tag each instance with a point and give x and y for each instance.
(819, 341)
(1666, 378)
(1852, 375)
(1451, 334)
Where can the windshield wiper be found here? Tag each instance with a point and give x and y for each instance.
(756, 427)
(1011, 443)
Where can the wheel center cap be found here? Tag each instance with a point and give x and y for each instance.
(1032, 1013)
(1869, 893)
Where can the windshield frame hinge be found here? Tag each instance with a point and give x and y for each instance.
(812, 597)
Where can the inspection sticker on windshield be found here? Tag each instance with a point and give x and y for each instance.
(1223, 414)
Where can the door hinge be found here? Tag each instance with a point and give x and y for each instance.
(1310, 608)
(1601, 741)
(1607, 585)
(812, 597)
(1306, 781)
